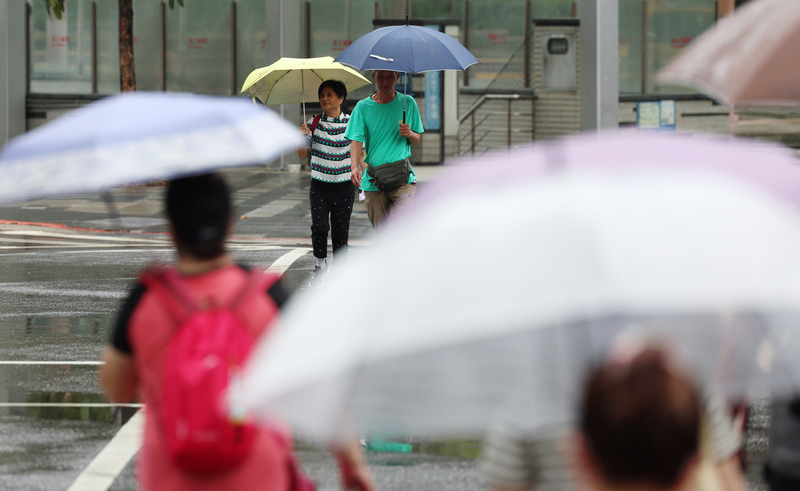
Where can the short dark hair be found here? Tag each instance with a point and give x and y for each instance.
(199, 209)
(641, 421)
(337, 86)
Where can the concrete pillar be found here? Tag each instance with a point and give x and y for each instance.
(600, 64)
(284, 28)
(12, 69)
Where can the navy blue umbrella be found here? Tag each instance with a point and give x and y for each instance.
(410, 49)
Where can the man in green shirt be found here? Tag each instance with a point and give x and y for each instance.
(377, 124)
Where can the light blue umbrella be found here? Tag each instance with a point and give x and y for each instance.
(137, 137)
(409, 49)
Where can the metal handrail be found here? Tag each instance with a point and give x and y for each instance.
(471, 114)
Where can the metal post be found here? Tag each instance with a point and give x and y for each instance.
(472, 117)
(645, 44)
(509, 123)
(234, 87)
(163, 61)
(527, 62)
(466, 38)
(93, 44)
(308, 29)
(28, 48)
(600, 64)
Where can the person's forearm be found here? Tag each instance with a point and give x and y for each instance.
(356, 151)
(414, 138)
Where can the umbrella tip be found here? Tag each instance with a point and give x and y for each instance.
(406, 19)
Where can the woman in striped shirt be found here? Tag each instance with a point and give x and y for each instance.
(331, 193)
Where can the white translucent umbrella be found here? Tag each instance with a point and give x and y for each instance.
(750, 58)
(137, 137)
(503, 294)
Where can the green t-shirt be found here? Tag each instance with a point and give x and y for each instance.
(377, 126)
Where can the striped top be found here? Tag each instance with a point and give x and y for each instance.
(515, 458)
(330, 150)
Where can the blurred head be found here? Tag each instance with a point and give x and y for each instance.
(385, 80)
(640, 423)
(198, 209)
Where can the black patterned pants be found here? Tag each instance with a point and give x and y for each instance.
(331, 207)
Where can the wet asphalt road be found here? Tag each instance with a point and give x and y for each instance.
(61, 288)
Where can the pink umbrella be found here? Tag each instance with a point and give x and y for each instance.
(751, 58)
(767, 165)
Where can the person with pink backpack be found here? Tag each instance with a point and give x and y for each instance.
(180, 341)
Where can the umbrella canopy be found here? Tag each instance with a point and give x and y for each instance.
(296, 80)
(410, 49)
(140, 136)
(571, 256)
(749, 58)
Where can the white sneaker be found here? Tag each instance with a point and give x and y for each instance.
(318, 277)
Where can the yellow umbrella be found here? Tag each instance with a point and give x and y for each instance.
(293, 80)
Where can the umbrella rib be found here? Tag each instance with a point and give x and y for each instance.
(272, 87)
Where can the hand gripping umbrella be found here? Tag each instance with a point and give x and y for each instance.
(409, 49)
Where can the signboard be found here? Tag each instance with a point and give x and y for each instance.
(433, 101)
(57, 39)
(656, 115)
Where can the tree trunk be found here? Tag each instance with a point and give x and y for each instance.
(127, 72)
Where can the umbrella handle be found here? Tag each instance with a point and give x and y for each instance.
(405, 88)
(303, 91)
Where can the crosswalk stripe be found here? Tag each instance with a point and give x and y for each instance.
(99, 475)
(39, 233)
(68, 404)
(50, 362)
(284, 262)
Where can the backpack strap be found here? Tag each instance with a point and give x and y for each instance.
(167, 285)
(175, 296)
(315, 124)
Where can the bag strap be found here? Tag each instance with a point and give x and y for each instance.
(315, 124)
(170, 289)
(175, 296)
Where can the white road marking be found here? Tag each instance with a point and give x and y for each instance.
(66, 292)
(50, 362)
(38, 233)
(282, 263)
(68, 404)
(99, 475)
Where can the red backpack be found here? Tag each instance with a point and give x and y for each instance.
(204, 358)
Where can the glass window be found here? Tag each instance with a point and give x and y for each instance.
(60, 49)
(147, 43)
(250, 39)
(199, 47)
(670, 26)
(497, 33)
